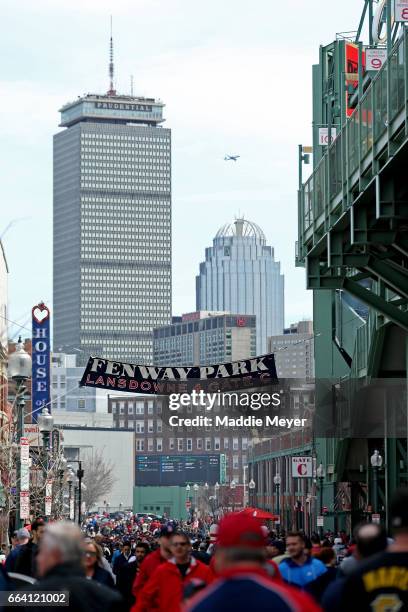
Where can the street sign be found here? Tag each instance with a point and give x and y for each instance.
(401, 10)
(48, 504)
(24, 505)
(188, 504)
(325, 509)
(320, 521)
(302, 467)
(324, 135)
(277, 521)
(376, 518)
(375, 58)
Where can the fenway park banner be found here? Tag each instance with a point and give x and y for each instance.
(107, 374)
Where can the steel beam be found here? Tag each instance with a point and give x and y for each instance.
(376, 302)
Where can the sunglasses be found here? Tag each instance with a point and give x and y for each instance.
(180, 543)
(88, 553)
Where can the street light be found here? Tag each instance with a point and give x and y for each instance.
(251, 487)
(45, 425)
(195, 489)
(80, 475)
(376, 463)
(277, 480)
(19, 369)
(233, 485)
(61, 473)
(321, 473)
(70, 480)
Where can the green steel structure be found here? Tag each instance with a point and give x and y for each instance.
(353, 242)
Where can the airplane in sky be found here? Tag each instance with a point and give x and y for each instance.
(231, 157)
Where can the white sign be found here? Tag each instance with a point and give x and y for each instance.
(71, 509)
(48, 488)
(401, 10)
(375, 58)
(24, 478)
(376, 518)
(324, 135)
(48, 503)
(32, 432)
(24, 451)
(24, 504)
(320, 521)
(277, 521)
(302, 467)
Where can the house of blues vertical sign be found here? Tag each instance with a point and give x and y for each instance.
(41, 359)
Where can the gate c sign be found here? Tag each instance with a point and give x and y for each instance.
(41, 359)
(302, 467)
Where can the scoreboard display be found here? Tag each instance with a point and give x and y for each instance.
(168, 470)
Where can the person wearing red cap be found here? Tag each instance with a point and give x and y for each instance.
(165, 589)
(153, 560)
(244, 583)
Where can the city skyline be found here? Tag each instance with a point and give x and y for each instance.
(260, 185)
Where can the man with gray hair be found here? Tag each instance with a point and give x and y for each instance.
(59, 565)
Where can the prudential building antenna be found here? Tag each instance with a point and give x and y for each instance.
(112, 91)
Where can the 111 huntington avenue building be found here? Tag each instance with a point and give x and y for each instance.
(240, 274)
(205, 338)
(112, 227)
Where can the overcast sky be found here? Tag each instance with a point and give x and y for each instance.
(235, 77)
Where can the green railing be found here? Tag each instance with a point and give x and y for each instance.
(349, 159)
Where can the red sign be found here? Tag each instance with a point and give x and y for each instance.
(351, 60)
(241, 322)
(188, 504)
(325, 509)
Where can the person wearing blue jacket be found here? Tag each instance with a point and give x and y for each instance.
(299, 568)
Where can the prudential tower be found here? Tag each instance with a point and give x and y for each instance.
(240, 274)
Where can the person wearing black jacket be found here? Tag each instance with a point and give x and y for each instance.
(25, 562)
(93, 565)
(59, 563)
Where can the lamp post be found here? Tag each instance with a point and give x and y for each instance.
(277, 480)
(376, 463)
(70, 480)
(233, 487)
(45, 425)
(19, 369)
(216, 489)
(80, 475)
(206, 488)
(251, 486)
(195, 489)
(61, 474)
(321, 473)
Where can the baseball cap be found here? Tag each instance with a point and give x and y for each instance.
(22, 533)
(399, 508)
(239, 531)
(166, 531)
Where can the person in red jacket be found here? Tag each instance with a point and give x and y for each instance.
(153, 560)
(244, 582)
(165, 589)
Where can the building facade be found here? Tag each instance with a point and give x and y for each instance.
(147, 416)
(117, 450)
(240, 274)
(294, 351)
(203, 337)
(66, 394)
(112, 227)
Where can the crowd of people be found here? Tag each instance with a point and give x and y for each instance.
(135, 564)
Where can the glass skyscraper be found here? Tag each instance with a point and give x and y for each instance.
(112, 227)
(240, 274)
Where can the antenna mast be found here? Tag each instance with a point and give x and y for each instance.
(112, 91)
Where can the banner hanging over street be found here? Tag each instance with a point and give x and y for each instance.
(108, 374)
